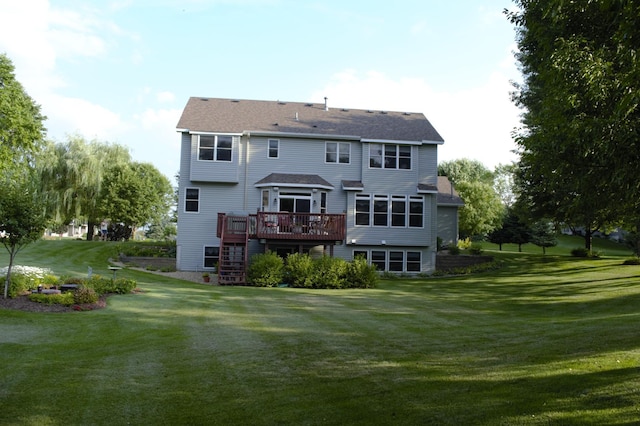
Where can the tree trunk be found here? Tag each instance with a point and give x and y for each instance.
(7, 280)
(588, 238)
(90, 228)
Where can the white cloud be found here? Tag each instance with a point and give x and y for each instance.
(165, 97)
(474, 123)
(74, 115)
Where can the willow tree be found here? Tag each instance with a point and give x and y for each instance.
(579, 142)
(72, 175)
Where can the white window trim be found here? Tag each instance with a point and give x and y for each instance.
(389, 199)
(215, 148)
(184, 206)
(382, 165)
(277, 141)
(338, 151)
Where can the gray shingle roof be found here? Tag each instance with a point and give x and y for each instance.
(293, 179)
(447, 194)
(238, 116)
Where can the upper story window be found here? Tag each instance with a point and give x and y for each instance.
(274, 145)
(192, 200)
(389, 156)
(215, 148)
(338, 152)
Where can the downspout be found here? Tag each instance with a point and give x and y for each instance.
(246, 174)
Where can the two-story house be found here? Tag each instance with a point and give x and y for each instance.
(303, 177)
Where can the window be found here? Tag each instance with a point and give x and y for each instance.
(398, 210)
(192, 200)
(380, 210)
(389, 156)
(273, 148)
(416, 209)
(215, 148)
(414, 261)
(211, 256)
(338, 152)
(396, 261)
(400, 213)
(379, 258)
(360, 253)
(323, 202)
(363, 209)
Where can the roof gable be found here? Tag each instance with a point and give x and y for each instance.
(239, 116)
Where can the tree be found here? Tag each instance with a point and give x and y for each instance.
(22, 219)
(465, 170)
(21, 123)
(135, 194)
(504, 184)
(482, 211)
(71, 175)
(579, 138)
(543, 235)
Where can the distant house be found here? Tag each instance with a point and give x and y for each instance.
(302, 177)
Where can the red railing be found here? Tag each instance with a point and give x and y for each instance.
(294, 226)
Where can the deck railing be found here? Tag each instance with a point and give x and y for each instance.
(293, 226)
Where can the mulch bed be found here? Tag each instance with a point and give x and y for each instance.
(22, 303)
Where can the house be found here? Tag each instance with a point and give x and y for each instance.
(303, 177)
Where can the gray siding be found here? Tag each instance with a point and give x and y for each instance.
(448, 224)
(231, 187)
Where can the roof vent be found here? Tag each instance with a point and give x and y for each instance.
(383, 112)
(345, 110)
(326, 104)
(235, 100)
(204, 99)
(309, 105)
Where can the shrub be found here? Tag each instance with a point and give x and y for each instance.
(298, 270)
(464, 244)
(475, 249)
(66, 299)
(265, 270)
(360, 274)
(583, 252)
(108, 286)
(329, 272)
(632, 261)
(85, 295)
(454, 249)
(24, 278)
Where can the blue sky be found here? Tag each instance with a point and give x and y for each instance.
(122, 70)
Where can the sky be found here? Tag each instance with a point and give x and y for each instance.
(121, 71)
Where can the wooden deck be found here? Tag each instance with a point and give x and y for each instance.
(288, 226)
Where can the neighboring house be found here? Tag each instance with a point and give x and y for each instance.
(448, 204)
(302, 177)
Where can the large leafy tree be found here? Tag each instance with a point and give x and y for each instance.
(579, 140)
(72, 174)
(483, 210)
(22, 218)
(21, 123)
(135, 194)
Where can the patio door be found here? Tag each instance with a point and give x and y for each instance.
(295, 202)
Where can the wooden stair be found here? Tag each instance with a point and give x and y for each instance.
(232, 263)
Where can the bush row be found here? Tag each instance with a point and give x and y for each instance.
(302, 271)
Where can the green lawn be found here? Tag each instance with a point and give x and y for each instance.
(544, 340)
